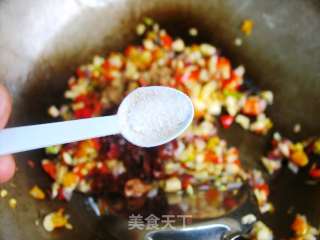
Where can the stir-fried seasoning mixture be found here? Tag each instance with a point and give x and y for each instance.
(300, 227)
(302, 230)
(297, 155)
(221, 97)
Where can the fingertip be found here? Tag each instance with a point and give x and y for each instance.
(5, 106)
(7, 168)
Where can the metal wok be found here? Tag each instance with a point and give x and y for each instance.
(42, 43)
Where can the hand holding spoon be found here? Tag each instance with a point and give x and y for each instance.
(147, 117)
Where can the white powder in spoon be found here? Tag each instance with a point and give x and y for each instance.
(154, 114)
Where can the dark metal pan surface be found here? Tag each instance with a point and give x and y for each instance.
(42, 43)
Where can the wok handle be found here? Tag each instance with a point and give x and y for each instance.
(19, 139)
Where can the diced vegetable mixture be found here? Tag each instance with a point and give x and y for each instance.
(199, 158)
(302, 230)
(220, 97)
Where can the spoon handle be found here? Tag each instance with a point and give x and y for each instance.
(19, 139)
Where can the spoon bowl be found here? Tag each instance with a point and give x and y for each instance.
(168, 113)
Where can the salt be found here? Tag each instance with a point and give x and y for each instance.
(155, 114)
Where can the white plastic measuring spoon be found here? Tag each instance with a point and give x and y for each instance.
(141, 119)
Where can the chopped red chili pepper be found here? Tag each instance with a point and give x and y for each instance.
(230, 202)
(314, 172)
(166, 40)
(50, 168)
(226, 120)
(61, 195)
(263, 187)
(210, 156)
(91, 106)
(186, 181)
(231, 84)
(83, 113)
(80, 73)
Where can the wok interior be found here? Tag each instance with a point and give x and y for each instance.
(281, 55)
